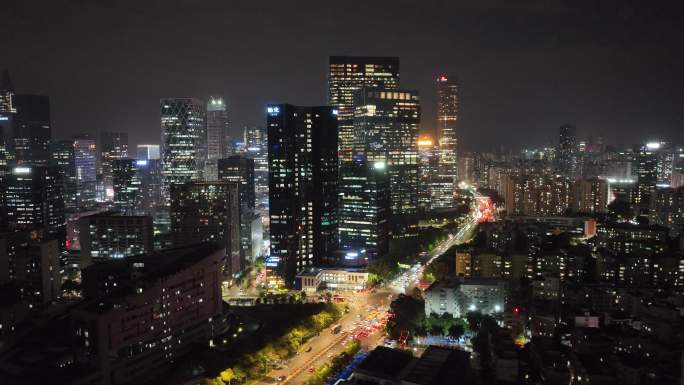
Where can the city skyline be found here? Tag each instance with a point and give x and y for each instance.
(304, 193)
(503, 65)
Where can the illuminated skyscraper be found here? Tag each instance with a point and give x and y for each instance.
(62, 156)
(364, 208)
(137, 185)
(256, 144)
(447, 117)
(32, 132)
(653, 164)
(184, 136)
(114, 145)
(240, 170)
(217, 129)
(566, 156)
(7, 111)
(346, 74)
(217, 136)
(302, 158)
(386, 131)
(86, 173)
(34, 198)
(125, 185)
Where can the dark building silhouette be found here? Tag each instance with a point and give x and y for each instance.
(32, 131)
(302, 158)
(34, 197)
(207, 212)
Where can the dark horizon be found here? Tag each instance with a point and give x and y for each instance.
(524, 70)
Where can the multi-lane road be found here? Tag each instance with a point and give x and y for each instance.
(367, 310)
(405, 281)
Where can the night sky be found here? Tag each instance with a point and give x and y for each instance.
(525, 67)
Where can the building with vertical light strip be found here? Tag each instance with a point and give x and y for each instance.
(364, 208)
(346, 74)
(217, 133)
(447, 117)
(33, 197)
(85, 155)
(32, 129)
(114, 145)
(7, 112)
(256, 144)
(386, 131)
(183, 147)
(63, 157)
(302, 157)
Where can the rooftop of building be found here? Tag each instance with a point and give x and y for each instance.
(452, 283)
(436, 366)
(314, 271)
(113, 214)
(633, 226)
(150, 267)
(385, 362)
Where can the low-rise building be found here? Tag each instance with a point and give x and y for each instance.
(459, 296)
(437, 365)
(315, 279)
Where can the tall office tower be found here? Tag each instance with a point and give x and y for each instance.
(85, 153)
(32, 131)
(126, 186)
(302, 159)
(34, 197)
(256, 144)
(111, 235)
(447, 116)
(566, 156)
(184, 147)
(217, 131)
(113, 145)
(147, 151)
(364, 208)
(240, 170)
(149, 173)
(217, 128)
(590, 196)
(428, 171)
(386, 130)
(645, 166)
(208, 212)
(177, 291)
(346, 74)
(665, 154)
(7, 112)
(62, 156)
